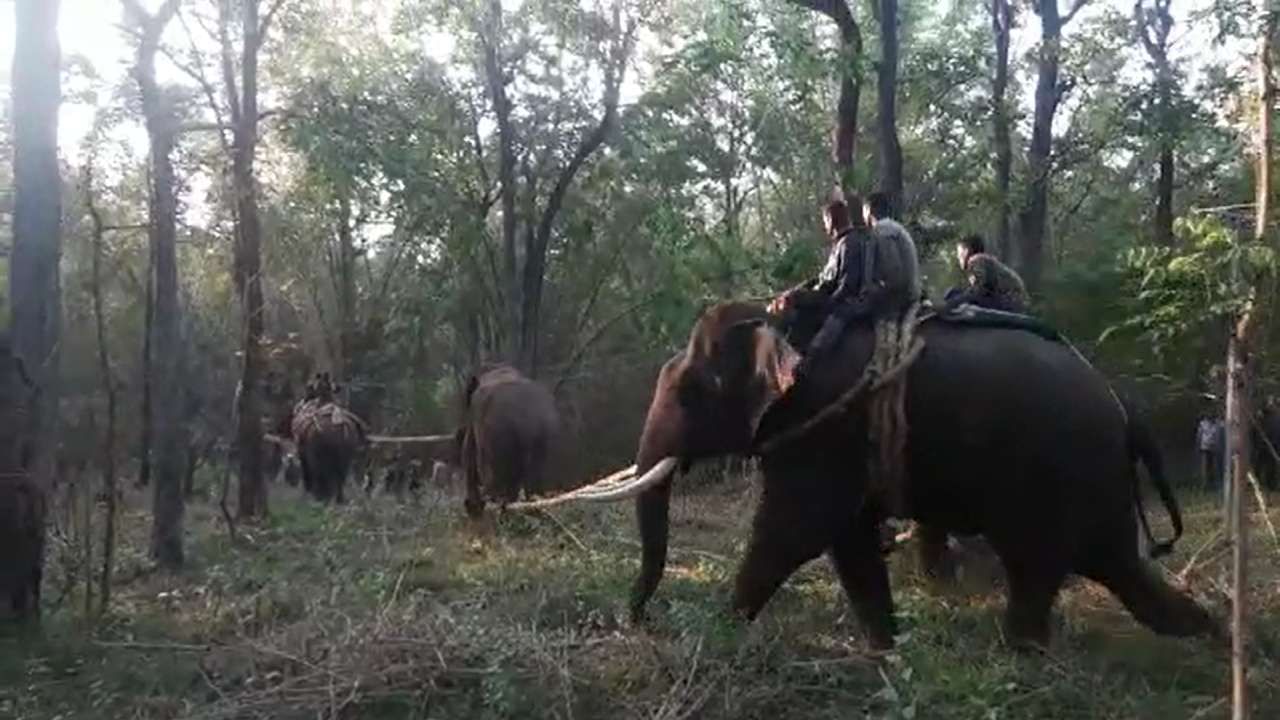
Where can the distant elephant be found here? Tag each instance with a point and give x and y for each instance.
(328, 437)
(22, 499)
(509, 425)
(1011, 436)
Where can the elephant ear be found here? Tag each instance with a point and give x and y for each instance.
(754, 357)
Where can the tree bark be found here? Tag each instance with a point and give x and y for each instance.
(168, 502)
(252, 495)
(1033, 219)
(344, 275)
(34, 285)
(887, 89)
(1154, 25)
(844, 136)
(496, 81)
(109, 388)
(525, 277)
(1001, 28)
(148, 329)
(1240, 371)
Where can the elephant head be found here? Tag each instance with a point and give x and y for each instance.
(707, 403)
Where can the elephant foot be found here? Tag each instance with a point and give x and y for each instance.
(474, 508)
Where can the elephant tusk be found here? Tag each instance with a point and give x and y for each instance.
(607, 490)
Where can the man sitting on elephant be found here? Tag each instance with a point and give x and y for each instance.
(989, 283)
(871, 272)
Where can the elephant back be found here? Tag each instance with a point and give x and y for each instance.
(329, 420)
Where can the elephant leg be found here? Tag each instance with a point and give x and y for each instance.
(865, 578)
(783, 537)
(1034, 582)
(1149, 598)
(936, 557)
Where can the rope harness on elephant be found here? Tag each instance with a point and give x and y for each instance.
(897, 345)
(314, 415)
(896, 348)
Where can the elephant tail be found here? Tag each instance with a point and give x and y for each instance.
(1143, 447)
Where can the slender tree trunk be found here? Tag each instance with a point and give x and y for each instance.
(345, 275)
(1001, 27)
(1154, 26)
(844, 135)
(248, 259)
(887, 75)
(1034, 217)
(496, 81)
(109, 388)
(148, 330)
(34, 285)
(168, 502)
(1240, 370)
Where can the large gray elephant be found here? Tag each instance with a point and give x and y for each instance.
(1011, 436)
(509, 426)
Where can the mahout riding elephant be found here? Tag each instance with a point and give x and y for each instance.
(22, 498)
(1011, 436)
(328, 438)
(510, 424)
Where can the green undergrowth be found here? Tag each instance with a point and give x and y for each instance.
(386, 610)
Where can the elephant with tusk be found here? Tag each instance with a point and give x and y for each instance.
(1011, 436)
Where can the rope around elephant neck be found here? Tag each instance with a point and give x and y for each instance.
(880, 372)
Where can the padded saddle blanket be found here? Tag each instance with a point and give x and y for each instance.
(975, 316)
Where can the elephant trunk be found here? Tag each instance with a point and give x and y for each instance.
(662, 438)
(652, 512)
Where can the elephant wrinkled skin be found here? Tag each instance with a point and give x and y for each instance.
(1011, 436)
(506, 438)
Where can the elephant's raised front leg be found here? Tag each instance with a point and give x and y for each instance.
(786, 534)
(865, 578)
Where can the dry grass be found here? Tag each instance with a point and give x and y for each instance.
(382, 610)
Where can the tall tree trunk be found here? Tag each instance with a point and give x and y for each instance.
(168, 503)
(248, 254)
(844, 136)
(109, 388)
(1001, 27)
(148, 331)
(1154, 25)
(887, 89)
(1240, 370)
(1034, 217)
(496, 80)
(345, 277)
(524, 278)
(34, 285)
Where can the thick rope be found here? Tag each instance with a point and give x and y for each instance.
(887, 417)
(874, 379)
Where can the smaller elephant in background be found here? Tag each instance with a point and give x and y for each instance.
(504, 443)
(328, 438)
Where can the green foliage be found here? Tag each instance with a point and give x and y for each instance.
(1178, 291)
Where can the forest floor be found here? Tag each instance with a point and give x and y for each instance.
(381, 609)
